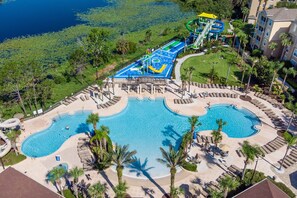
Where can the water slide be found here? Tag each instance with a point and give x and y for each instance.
(157, 70)
(203, 34)
(4, 149)
(10, 123)
(218, 27)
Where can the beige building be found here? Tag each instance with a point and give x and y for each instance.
(270, 25)
(257, 6)
(291, 52)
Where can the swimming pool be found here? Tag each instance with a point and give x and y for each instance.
(146, 126)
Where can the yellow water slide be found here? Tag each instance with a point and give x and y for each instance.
(158, 70)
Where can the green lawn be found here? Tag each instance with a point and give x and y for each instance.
(11, 158)
(203, 65)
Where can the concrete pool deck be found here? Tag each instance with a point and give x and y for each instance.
(37, 168)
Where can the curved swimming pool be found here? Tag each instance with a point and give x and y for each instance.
(146, 126)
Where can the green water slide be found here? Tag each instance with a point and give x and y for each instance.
(188, 26)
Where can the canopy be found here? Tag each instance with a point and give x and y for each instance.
(207, 15)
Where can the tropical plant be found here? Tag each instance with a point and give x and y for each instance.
(220, 124)
(242, 38)
(176, 192)
(76, 173)
(12, 136)
(122, 46)
(183, 78)
(97, 190)
(172, 159)
(217, 137)
(286, 41)
(291, 140)
(55, 176)
(293, 108)
(227, 184)
(194, 122)
(275, 67)
(272, 46)
(250, 152)
(191, 70)
(245, 11)
(121, 189)
(251, 71)
(186, 140)
(93, 119)
(291, 71)
(120, 157)
(216, 194)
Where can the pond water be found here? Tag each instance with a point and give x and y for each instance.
(30, 17)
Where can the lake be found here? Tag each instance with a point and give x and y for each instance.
(31, 17)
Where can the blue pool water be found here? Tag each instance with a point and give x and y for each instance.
(157, 59)
(146, 126)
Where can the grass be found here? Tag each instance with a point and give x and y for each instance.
(203, 65)
(11, 158)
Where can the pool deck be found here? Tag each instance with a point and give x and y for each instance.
(37, 168)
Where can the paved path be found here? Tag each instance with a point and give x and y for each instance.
(180, 62)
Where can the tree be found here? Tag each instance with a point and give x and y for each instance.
(122, 46)
(77, 61)
(244, 69)
(183, 78)
(148, 36)
(217, 137)
(75, 173)
(45, 91)
(172, 159)
(184, 35)
(55, 176)
(93, 119)
(194, 122)
(290, 141)
(97, 138)
(97, 190)
(97, 47)
(12, 136)
(235, 32)
(293, 107)
(216, 194)
(251, 71)
(290, 71)
(220, 124)
(227, 184)
(286, 41)
(242, 38)
(191, 69)
(245, 11)
(275, 67)
(121, 189)
(120, 157)
(250, 152)
(272, 46)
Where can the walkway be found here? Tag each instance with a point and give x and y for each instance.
(179, 63)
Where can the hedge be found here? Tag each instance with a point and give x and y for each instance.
(189, 166)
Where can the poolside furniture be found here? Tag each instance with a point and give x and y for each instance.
(82, 98)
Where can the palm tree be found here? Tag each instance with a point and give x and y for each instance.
(55, 176)
(293, 107)
(245, 11)
(227, 184)
(290, 71)
(76, 173)
(220, 124)
(97, 137)
(191, 70)
(242, 38)
(120, 157)
(194, 122)
(97, 190)
(272, 46)
(217, 137)
(121, 189)
(112, 81)
(93, 118)
(183, 78)
(290, 141)
(251, 71)
(186, 140)
(172, 159)
(275, 66)
(286, 42)
(184, 35)
(12, 136)
(216, 194)
(250, 152)
(244, 68)
(235, 31)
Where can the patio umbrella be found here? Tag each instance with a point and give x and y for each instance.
(19, 116)
(224, 147)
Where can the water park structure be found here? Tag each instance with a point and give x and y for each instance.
(206, 26)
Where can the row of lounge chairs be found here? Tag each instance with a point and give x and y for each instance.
(84, 153)
(69, 100)
(183, 101)
(110, 103)
(204, 139)
(84, 97)
(215, 86)
(268, 148)
(274, 102)
(88, 89)
(290, 159)
(218, 94)
(278, 122)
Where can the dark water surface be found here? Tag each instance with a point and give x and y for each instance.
(29, 17)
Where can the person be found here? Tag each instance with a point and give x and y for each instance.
(208, 105)
(67, 127)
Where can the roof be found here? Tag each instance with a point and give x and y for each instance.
(207, 15)
(263, 189)
(281, 14)
(15, 184)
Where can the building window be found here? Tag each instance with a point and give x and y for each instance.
(293, 62)
(258, 38)
(295, 52)
(267, 33)
(270, 22)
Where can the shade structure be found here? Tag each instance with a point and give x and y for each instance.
(19, 116)
(224, 147)
(207, 15)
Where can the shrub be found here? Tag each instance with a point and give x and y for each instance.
(259, 176)
(59, 79)
(68, 194)
(189, 166)
(284, 188)
(132, 47)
